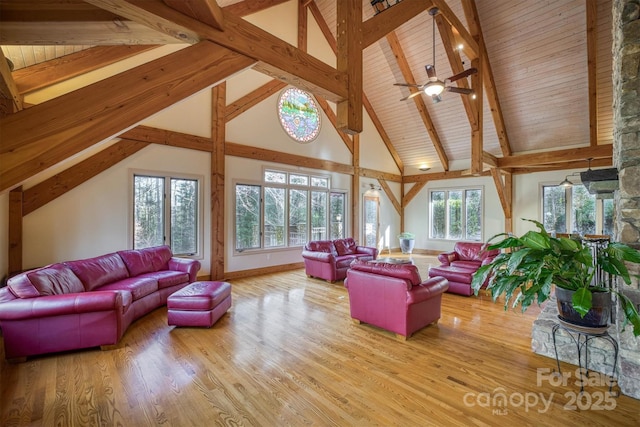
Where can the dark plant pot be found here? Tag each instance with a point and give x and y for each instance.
(598, 316)
(406, 245)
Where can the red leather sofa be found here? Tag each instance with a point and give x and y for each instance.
(330, 259)
(87, 303)
(459, 265)
(393, 296)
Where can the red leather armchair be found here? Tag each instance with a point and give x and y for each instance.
(459, 265)
(393, 296)
(330, 259)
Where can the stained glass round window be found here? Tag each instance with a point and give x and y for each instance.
(299, 115)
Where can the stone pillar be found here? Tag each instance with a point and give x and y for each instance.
(626, 158)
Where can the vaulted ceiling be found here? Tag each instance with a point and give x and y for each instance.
(545, 68)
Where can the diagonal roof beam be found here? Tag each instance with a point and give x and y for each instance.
(248, 7)
(470, 45)
(392, 38)
(471, 13)
(9, 92)
(206, 11)
(35, 139)
(275, 57)
(373, 29)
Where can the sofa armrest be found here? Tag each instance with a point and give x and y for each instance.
(57, 305)
(319, 256)
(428, 289)
(190, 266)
(367, 250)
(446, 258)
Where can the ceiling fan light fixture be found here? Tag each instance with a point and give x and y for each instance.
(423, 168)
(434, 88)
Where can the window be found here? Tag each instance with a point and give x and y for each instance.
(287, 210)
(299, 115)
(456, 214)
(574, 210)
(165, 211)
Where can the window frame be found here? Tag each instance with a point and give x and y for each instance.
(569, 210)
(463, 213)
(168, 177)
(323, 184)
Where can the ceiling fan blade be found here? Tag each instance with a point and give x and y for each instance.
(463, 74)
(462, 90)
(414, 94)
(431, 71)
(408, 85)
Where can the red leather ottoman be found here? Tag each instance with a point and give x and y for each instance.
(199, 304)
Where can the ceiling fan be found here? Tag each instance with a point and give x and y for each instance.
(434, 87)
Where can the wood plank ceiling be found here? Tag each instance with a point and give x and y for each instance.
(537, 52)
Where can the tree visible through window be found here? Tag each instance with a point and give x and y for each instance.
(288, 209)
(574, 210)
(156, 198)
(456, 214)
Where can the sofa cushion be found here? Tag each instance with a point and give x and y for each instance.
(402, 271)
(98, 271)
(453, 274)
(56, 279)
(345, 246)
(140, 261)
(168, 278)
(344, 261)
(138, 286)
(21, 287)
(471, 265)
(325, 246)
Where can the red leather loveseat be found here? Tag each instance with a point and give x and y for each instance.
(87, 303)
(393, 296)
(459, 265)
(330, 259)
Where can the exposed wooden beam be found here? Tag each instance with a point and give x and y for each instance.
(8, 87)
(255, 153)
(167, 137)
(324, 105)
(56, 70)
(349, 62)
(206, 11)
(248, 7)
(556, 156)
(303, 13)
(355, 189)
(438, 176)
(592, 36)
(375, 28)
(254, 97)
(470, 45)
(50, 189)
(504, 192)
(39, 137)
(489, 159)
(324, 28)
(577, 164)
(413, 193)
(372, 173)
(471, 14)
(403, 64)
(455, 60)
(71, 22)
(477, 126)
(275, 57)
(218, 134)
(387, 190)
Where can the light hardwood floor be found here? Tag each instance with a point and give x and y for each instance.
(287, 353)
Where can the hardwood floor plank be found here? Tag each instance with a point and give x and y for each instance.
(288, 353)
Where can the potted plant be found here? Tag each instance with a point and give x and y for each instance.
(530, 265)
(407, 241)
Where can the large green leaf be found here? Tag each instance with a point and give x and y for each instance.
(582, 301)
(535, 240)
(630, 313)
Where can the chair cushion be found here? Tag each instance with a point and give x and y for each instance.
(453, 274)
(56, 279)
(345, 246)
(471, 265)
(98, 271)
(344, 261)
(326, 246)
(403, 271)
